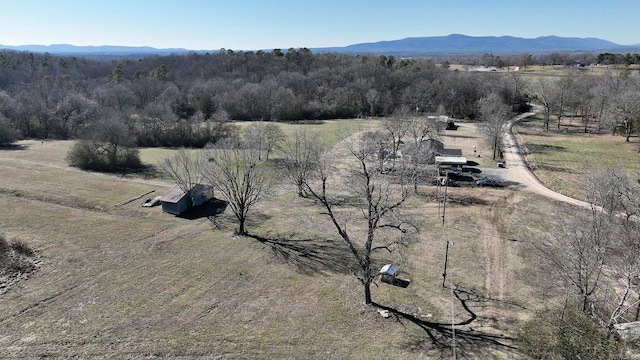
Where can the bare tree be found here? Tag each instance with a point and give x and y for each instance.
(185, 168)
(264, 137)
(423, 128)
(108, 146)
(381, 197)
(543, 91)
(398, 126)
(586, 245)
(562, 95)
(240, 177)
(576, 252)
(495, 114)
(617, 194)
(74, 111)
(418, 150)
(301, 154)
(626, 110)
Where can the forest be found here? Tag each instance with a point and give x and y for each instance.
(190, 100)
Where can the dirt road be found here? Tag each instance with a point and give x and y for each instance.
(518, 171)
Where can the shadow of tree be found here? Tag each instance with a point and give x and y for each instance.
(145, 171)
(309, 256)
(469, 342)
(544, 148)
(209, 209)
(466, 200)
(459, 136)
(13, 147)
(548, 167)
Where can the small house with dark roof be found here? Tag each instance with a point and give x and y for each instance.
(176, 201)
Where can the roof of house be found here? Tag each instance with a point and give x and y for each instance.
(450, 152)
(173, 195)
(176, 193)
(451, 160)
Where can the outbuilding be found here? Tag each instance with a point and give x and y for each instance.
(176, 200)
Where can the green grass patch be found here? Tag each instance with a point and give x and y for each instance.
(560, 159)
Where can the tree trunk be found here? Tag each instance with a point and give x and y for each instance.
(546, 118)
(241, 229)
(367, 293)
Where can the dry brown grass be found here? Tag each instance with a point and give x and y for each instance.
(128, 282)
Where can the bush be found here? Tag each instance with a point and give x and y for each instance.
(563, 333)
(8, 135)
(88, 155)
(13, 257)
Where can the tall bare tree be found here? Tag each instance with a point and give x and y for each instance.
(576, 252)
(398, 126)
(302, 152)
(585, 245)
(382, 199)
(626, 110)
(419, 151)
(543, 90)
(264, 137)
(495, 114)
(240, 177)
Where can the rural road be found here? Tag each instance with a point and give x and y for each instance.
(518, 171)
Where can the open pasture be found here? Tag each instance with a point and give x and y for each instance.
(138, 283)
(560, 158)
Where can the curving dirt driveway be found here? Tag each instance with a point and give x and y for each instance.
(518, 171)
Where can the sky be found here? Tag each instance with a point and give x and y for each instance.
(270, 24)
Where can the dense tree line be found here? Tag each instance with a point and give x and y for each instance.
(549, 59)
(188, 100)
(184, 100)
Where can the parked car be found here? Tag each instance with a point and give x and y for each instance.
(454, 171)
(488, 182)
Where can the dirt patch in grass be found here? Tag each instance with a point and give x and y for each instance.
(17, 262)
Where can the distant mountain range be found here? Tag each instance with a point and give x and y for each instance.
(454, 44)
(65, 49)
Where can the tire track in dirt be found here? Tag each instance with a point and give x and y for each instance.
(495, 279)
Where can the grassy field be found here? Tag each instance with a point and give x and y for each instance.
(132, 282)
(560, 159)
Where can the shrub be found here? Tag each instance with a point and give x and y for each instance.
(15, 258)
(8, 135)
(88, 155)
(563, 333)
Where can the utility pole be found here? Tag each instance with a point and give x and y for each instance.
(446, 260)
(444, 201)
